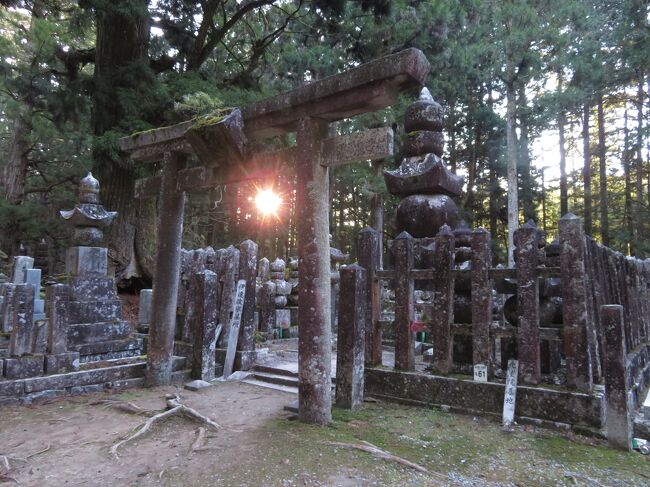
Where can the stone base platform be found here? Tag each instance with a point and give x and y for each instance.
(584, 413)
(96, 377)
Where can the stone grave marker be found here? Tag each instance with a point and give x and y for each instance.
(233, 335)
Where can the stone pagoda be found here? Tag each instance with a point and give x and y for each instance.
(94, 311)
(423, 180)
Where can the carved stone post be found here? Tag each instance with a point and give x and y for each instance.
(203, 286)
(350, 355)
(574, 303)
(57, 297)
(163, 316)
(618, 414)
(22, 335)
(404, 288)
(370, 259)
(248, 271)
(267, 308)
(443, 301)
(481, 298)
(314, 345)
(526, 241)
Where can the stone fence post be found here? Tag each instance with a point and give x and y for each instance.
(370, 259)
(404, 289)
(526, 240)
(443, 301)
(618, 414)
(350, 356)
(481, 299)
(574, 303)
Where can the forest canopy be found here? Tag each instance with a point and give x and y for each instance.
(558, 89)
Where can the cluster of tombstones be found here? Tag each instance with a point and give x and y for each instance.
(31, 344)
(276, 293)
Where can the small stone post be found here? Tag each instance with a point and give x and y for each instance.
(163, 317)
(350, 356)
(204, 324)
(228, 276)
(526, 240)
(618, 414)
(312, 226)
(404, 288)
(57, 297)
(144, 310)
(481, 299)
(248, 272)
(574, 303)
(267, 308)
(22, 335)
(443, 301)
(370, 259)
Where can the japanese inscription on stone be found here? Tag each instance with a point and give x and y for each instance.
(240, 295)
(511, 393)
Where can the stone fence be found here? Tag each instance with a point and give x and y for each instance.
(572, 312)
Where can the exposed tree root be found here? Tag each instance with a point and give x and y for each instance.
(378, 452)
(125, 407)
(174, 407)
(200, 439)
(5, 469)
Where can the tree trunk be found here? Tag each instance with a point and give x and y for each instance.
(524, 158)
(122, 43)
(638, 212)
(564, 194)
(586, 172)
(511, 142)
(602, 164)
(628, 186)
(15, 171)
(377, 209)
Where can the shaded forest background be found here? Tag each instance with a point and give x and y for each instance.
(556, 88)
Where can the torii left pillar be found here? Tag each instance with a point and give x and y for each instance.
(160, 349)
(312, 228)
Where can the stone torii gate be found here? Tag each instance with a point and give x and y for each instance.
(224, 147)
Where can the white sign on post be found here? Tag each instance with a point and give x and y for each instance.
(510, 395)
(240, 295)
(480, 373)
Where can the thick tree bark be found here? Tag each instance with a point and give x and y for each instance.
(377, 209)
(121, 64)
(586, 172)
(628, 186)
(511, 142)
(638, 212)
(525, 162)
(564, 193)
(14, 173)
(602, 165)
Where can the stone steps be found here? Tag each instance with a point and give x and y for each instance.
(268, 385)
(274, 370)
(278, 379)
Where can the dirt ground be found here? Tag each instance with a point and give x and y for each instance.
(67, 443)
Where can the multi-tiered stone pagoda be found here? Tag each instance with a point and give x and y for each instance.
(423, 180)
(95, 326)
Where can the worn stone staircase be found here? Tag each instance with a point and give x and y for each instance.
(276, 378)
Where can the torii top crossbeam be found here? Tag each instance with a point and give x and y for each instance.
(366, 88)
(307, 111)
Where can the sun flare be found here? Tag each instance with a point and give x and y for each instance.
(268, 202)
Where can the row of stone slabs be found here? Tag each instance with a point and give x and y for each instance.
(23, 273)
